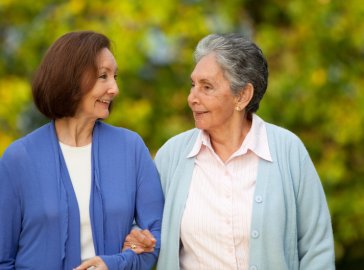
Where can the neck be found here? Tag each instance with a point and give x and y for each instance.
(226, 141)
(74, 132)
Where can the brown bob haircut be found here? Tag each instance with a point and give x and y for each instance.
(67, 72)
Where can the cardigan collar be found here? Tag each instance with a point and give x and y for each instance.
(69, 211)
(256, 141)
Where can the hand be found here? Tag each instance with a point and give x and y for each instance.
(95, 263)
(140, 241)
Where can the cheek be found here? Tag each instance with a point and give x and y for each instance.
(224, 109)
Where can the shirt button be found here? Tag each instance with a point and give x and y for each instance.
(253, 267)
(255, 234)
(259, 199)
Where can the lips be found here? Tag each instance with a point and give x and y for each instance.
(105, 101)
(199, 115)
(200, 112)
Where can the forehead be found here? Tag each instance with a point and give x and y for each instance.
(207, 67)
(105, 59)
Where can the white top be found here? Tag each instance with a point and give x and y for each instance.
(215, 226)
(78, 161)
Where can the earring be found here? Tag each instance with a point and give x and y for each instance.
(238, 108)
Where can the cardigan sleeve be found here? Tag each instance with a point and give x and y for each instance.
(149, 201)
(315, 237)
(161, 161)
(10, 211)
(148, 213)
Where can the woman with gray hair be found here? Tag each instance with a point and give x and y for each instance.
(240, 193)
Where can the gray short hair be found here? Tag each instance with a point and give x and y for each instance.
(242, 61)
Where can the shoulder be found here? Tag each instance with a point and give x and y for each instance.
(282, 136)
(282, 139)
(15, 151)
(176, 148)
(118, 142)
(117, 134)
(182, 140)
(25, 155)
(32, 142)
(108, 129)
(280, 133)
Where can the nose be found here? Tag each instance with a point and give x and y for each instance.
(192, 96)
(114, 89)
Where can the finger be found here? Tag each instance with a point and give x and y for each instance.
(130, 238)
(136, 248)
(138, 235)
(148, 249)
(130, 241)
(148, 240)
(149, 235)
(141, 238)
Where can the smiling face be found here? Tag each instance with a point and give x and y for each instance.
(210, 98)
(95, 104)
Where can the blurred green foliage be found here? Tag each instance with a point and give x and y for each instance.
(315, 51)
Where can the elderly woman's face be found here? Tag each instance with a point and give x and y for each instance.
(210, 98)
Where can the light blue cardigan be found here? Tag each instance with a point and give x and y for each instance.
(39, 216)
(291, 226)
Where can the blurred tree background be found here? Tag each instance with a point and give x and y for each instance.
(315, 51)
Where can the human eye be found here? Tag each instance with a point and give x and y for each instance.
(207, 87)
(115, 76)
(102, 76)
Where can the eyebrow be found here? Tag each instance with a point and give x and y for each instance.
(204, 81)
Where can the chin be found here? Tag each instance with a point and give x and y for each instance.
(199, 126)
(102, 117)
(104, 114)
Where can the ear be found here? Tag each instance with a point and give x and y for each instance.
(245, 96)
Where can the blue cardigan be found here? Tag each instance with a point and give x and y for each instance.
(39, 216)
(290, 227)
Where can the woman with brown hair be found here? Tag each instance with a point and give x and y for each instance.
(73, 187)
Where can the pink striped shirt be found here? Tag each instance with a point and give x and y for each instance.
(215, 228)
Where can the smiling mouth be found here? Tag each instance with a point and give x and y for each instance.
(105, 101)
(199, 113)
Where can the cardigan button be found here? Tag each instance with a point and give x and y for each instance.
(253, 267)
(259, 199)
(255, 234)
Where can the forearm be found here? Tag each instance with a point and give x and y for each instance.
(315, 237)
(128, 259)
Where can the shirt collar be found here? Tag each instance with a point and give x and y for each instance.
(256, 141)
